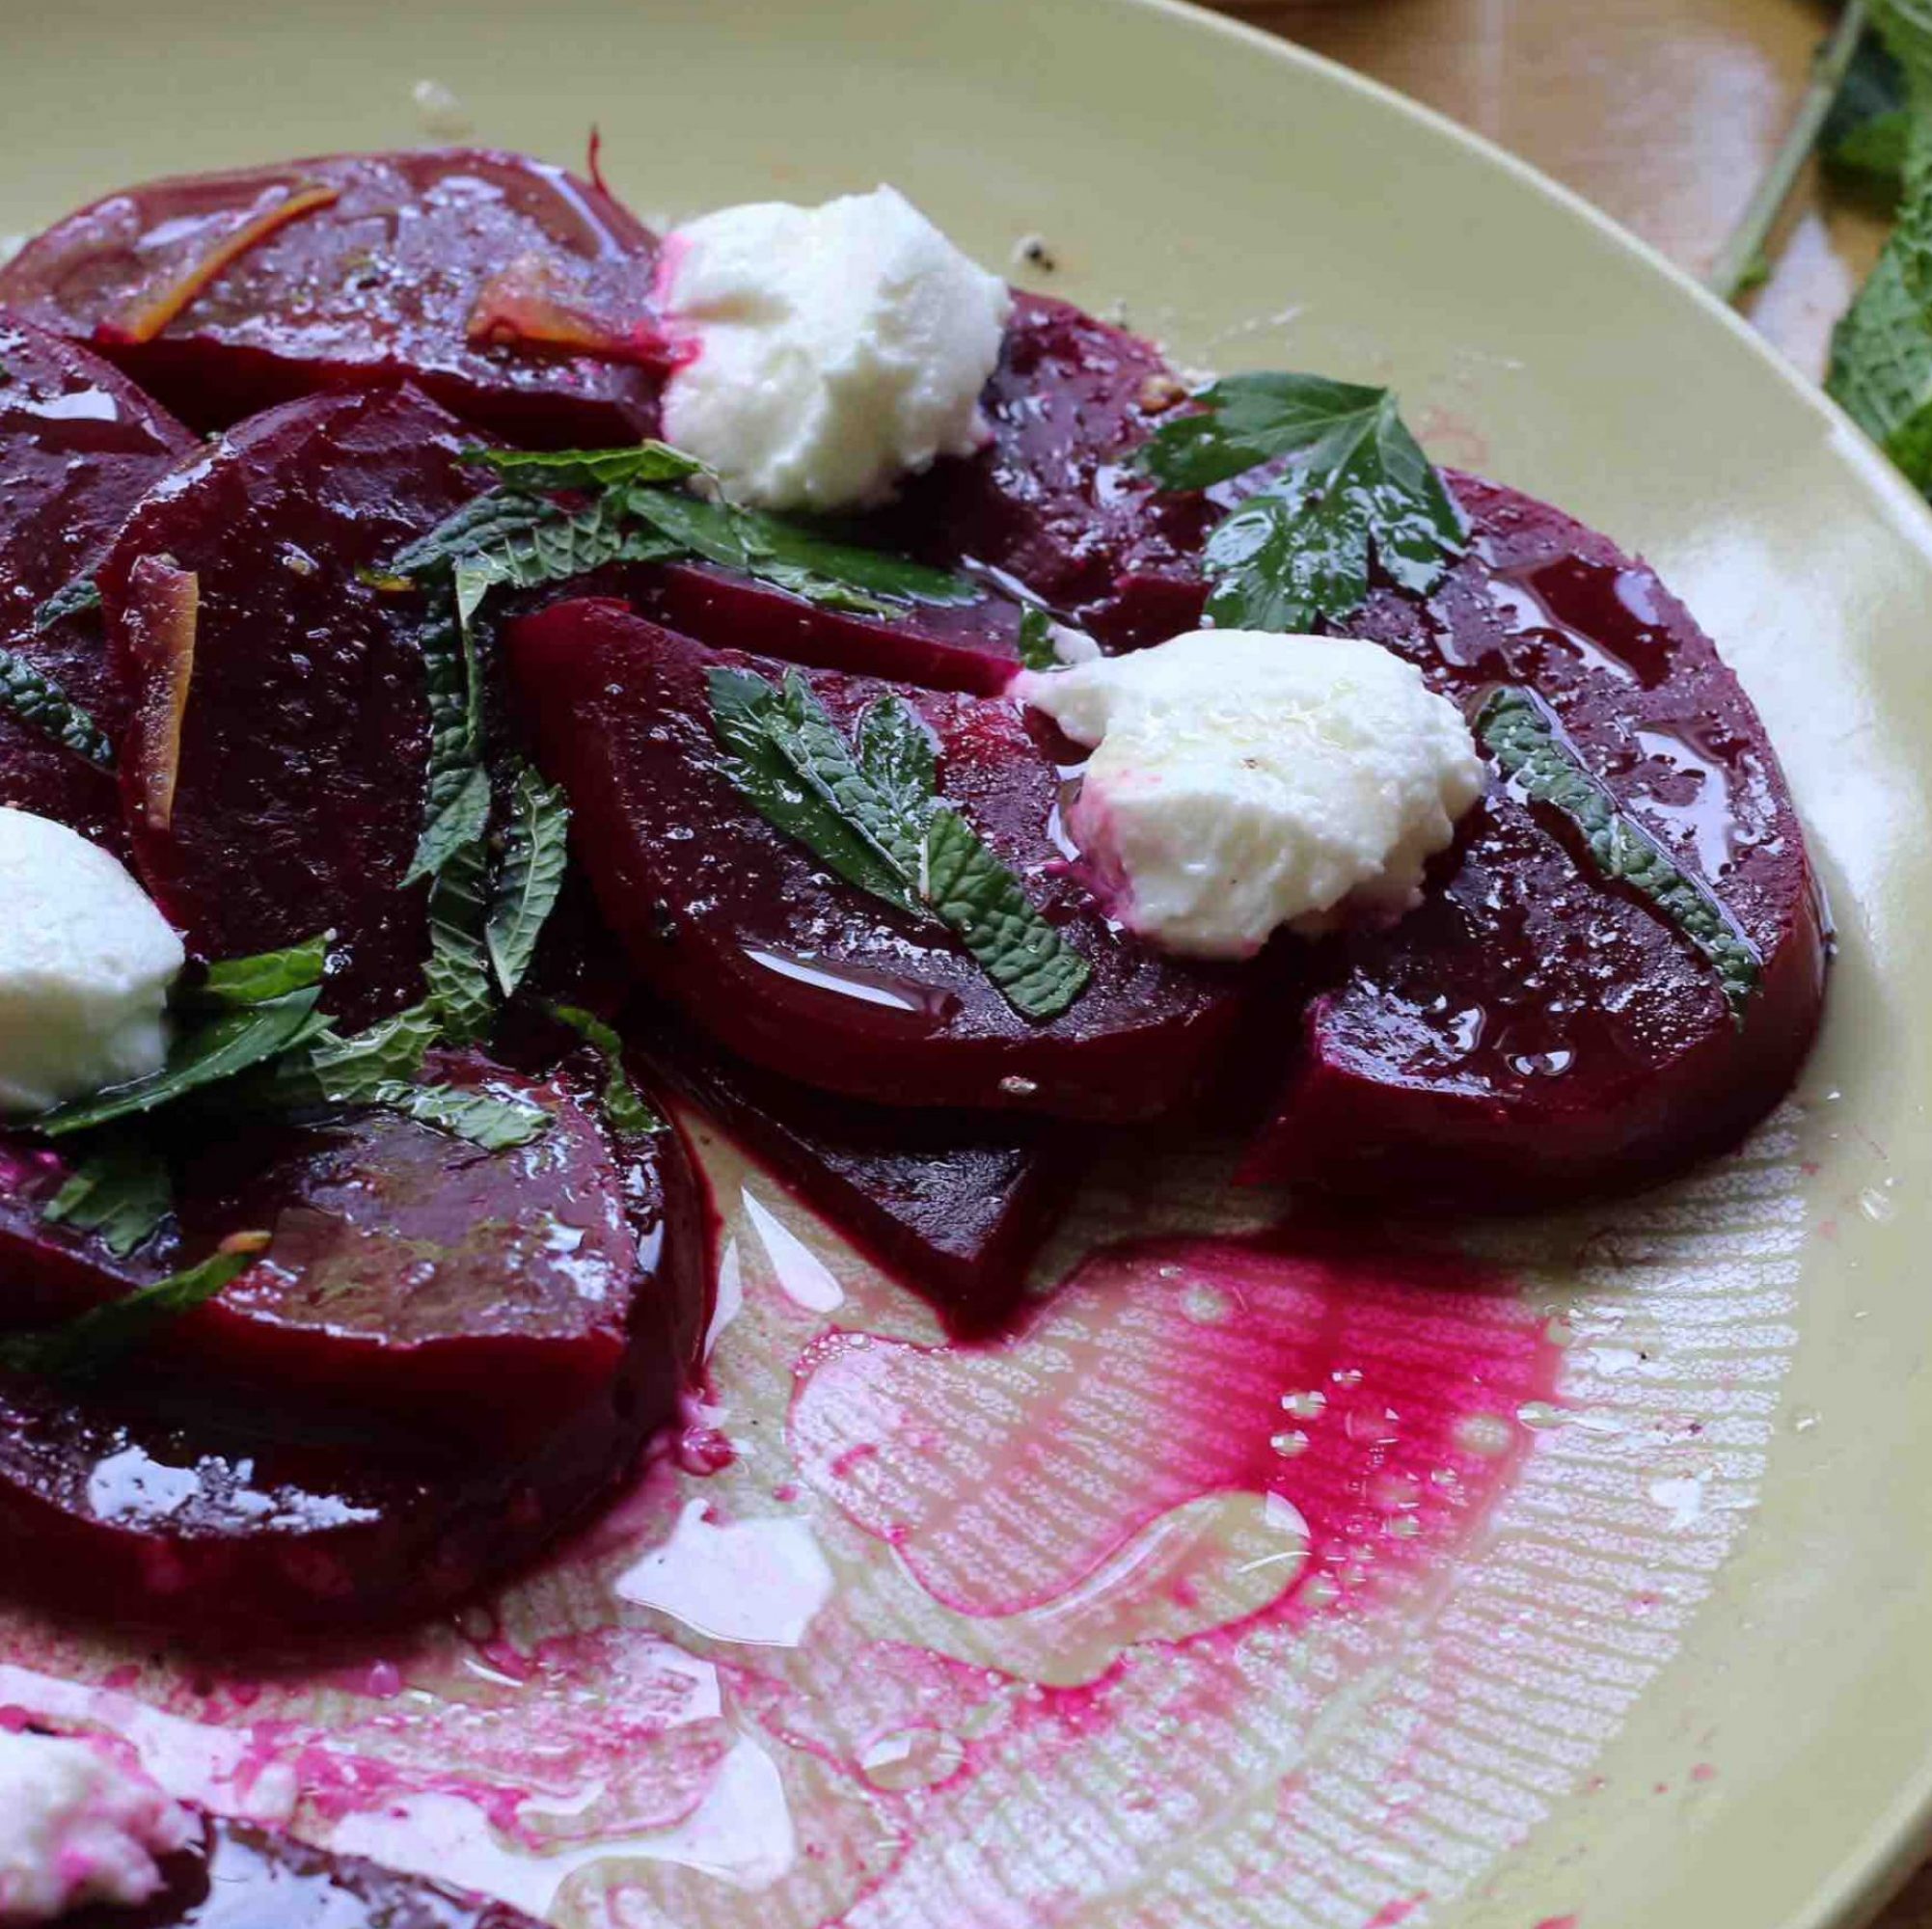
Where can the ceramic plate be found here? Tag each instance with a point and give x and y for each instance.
(1641, 1627)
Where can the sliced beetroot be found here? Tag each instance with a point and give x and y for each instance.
(513, 293)
(1054, 501)
(274, 784)
(79, 447)
(800, 972)
(1531, 1033)
(242, 1874)
(488, 1297)
(953, 1205)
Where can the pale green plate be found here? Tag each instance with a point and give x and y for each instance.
(1686, 1680)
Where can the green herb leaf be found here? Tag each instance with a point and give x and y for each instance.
(232, 1043)
(337, 1070)
(1881, 370)
(1036, 639)
(39, 702)
(1905, 27)
(872, 813)
(458, 974)
(462, 820)
(78, 597)
(1912, 238)
(478, 525)
(548, 470)
(1358, 485)
(624, 1107)
(105, 1333)
(490, 1119)
(1522, 734)
(537, 852)
(1867, 127)
(235, 984)
(558, 549)
(123, 1193)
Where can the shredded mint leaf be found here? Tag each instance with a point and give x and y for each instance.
(458, 974)
(234, 983)
(478, 525)
(537, 851)
(103, 1334)
(230, 1044)
(547, 469)
(339, 1070)
(871, 812)
(1357, 486)
(492, 1121)
(1871, 117)
(1881, 368)
(624, 1107)
(78, 597)
(462, 820)
(39, 702)
(1036, 639)
(1522, 734)
(123, 1193)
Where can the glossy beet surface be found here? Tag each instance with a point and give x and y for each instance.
(953, 1205)
(79, 446)
(295, 800)
(512, 291)
(1532, 1032)
(1054, 501)
(243, 1877)
(800, 972)
(214, 1507)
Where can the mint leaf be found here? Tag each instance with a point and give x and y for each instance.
(1905, 27)
(75, 599)
(457, 974)
(123, 1193)
(478, 525)
(1524, 737)
(1357, 487)
(1035, 640)
(537, 852)
(39, 703)
(624, 1107)
(1037, 970)
(337, 1070)
(1870, 119)
(242, 1038)
(790, 763)
(234, 983)
(1881, 368)
(490, 1119)
(547, 469)
(103, 1334)
(1911, 238)
(462, 820)
(872, 813)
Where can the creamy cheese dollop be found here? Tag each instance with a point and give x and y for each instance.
(86, 963)
(830, 351)
(1241, 781)
(76, 1828)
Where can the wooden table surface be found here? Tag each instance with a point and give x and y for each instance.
(1664, 113)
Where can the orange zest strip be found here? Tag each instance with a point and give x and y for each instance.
(163, 609)
(144, 318)
(523, 309)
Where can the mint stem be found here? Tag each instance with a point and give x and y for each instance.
(1740, 263)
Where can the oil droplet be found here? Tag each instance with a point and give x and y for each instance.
(909, 1758)
(1485, 1433)
(1288, 1445)
(1304, 1405)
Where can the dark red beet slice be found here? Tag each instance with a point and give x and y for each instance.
(1053, 501)
(800, 972)
(486, 1296)
(1531, 1033)
(244, 1877)
(954, 1205)
(79, 447)
(218, 1510)
(513, 293)
(287, 796)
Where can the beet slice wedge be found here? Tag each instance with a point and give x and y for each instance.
(274, 782)
(79, 447)
(487, 1298)
(1053, 501)
(795, 970)
(953, 1205)
(1534, 1032)
(240, 1873)
(513, 293)
(295, 1452)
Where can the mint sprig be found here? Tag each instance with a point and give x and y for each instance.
(37, 701)
(545, 471)
(72, 599)
(536, 853)
(1522, 734)
(1357, 489)
(871, 811)
(625, 1109)
(122, 1194)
